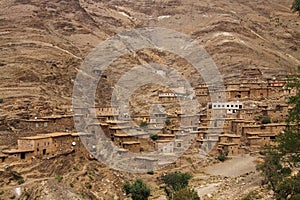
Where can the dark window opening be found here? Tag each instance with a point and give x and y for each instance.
(272, 137)
(44, 151)
(22, 155)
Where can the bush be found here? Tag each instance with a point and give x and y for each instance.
(143, 124)
(186, 194)
(1, 100)
(154, 136)
(296, 6)
(176, 180)
(126, 188)
(138, 190)
(20, 181)
(168, 122)
(223, 155)
(252, 195)
(266, 120)
(1, 192)
(58, 178)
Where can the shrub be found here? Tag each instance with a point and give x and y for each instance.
(154, 136)
(266, 120)
(168, 122)
(223, 155)
(176, 180)
(126, 187)
(1, 192)
(186, 194)
(138, 190)
(251, 195)
(20, 181)
(143, 124)
(71, 185)
(1, 100)
(58, 178)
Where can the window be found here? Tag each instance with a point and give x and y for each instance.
(44, 143)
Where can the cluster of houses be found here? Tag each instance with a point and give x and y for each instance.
(253, 116)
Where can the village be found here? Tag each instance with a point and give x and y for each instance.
(254, 115)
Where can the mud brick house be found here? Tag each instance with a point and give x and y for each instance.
(230, 138)
(229, 107)
(35, 125)
(116, 130)
(202, 94)
(233, 149)
(278, 113)
(133, 146)
(248, 113)
(81, 111)
(240, 93)
(189, 120)
(60, 122)
(273, 127)
(51, 144)
(167, 97)
(110, 113)
(120, 138)
(11, 155)
(157, 120)
(237, 125)
(41, 145)
(147, 163)
(47, 124)
(164, 146)
(94, 127)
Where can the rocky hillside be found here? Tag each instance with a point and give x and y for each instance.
(43, 43)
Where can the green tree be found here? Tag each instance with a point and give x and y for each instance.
(138, 190)
(176, 180)
(186, 194)
(126, 187)
(282, 161)
(154, 136)
(296, 6)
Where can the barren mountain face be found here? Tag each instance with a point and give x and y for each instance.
(43, 43)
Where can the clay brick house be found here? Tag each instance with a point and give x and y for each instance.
(232, 148)
(133, 146)
(110, 113)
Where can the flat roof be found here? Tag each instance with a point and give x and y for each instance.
(81, 134)
(163, 141)
(146, 158)
(131, 142)
(46, 135)
(120, 127)
(230, 135)
(122, 135)
(228, 144)
(166, 135)
(13, 151)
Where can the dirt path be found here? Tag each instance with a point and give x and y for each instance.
(234, 167)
